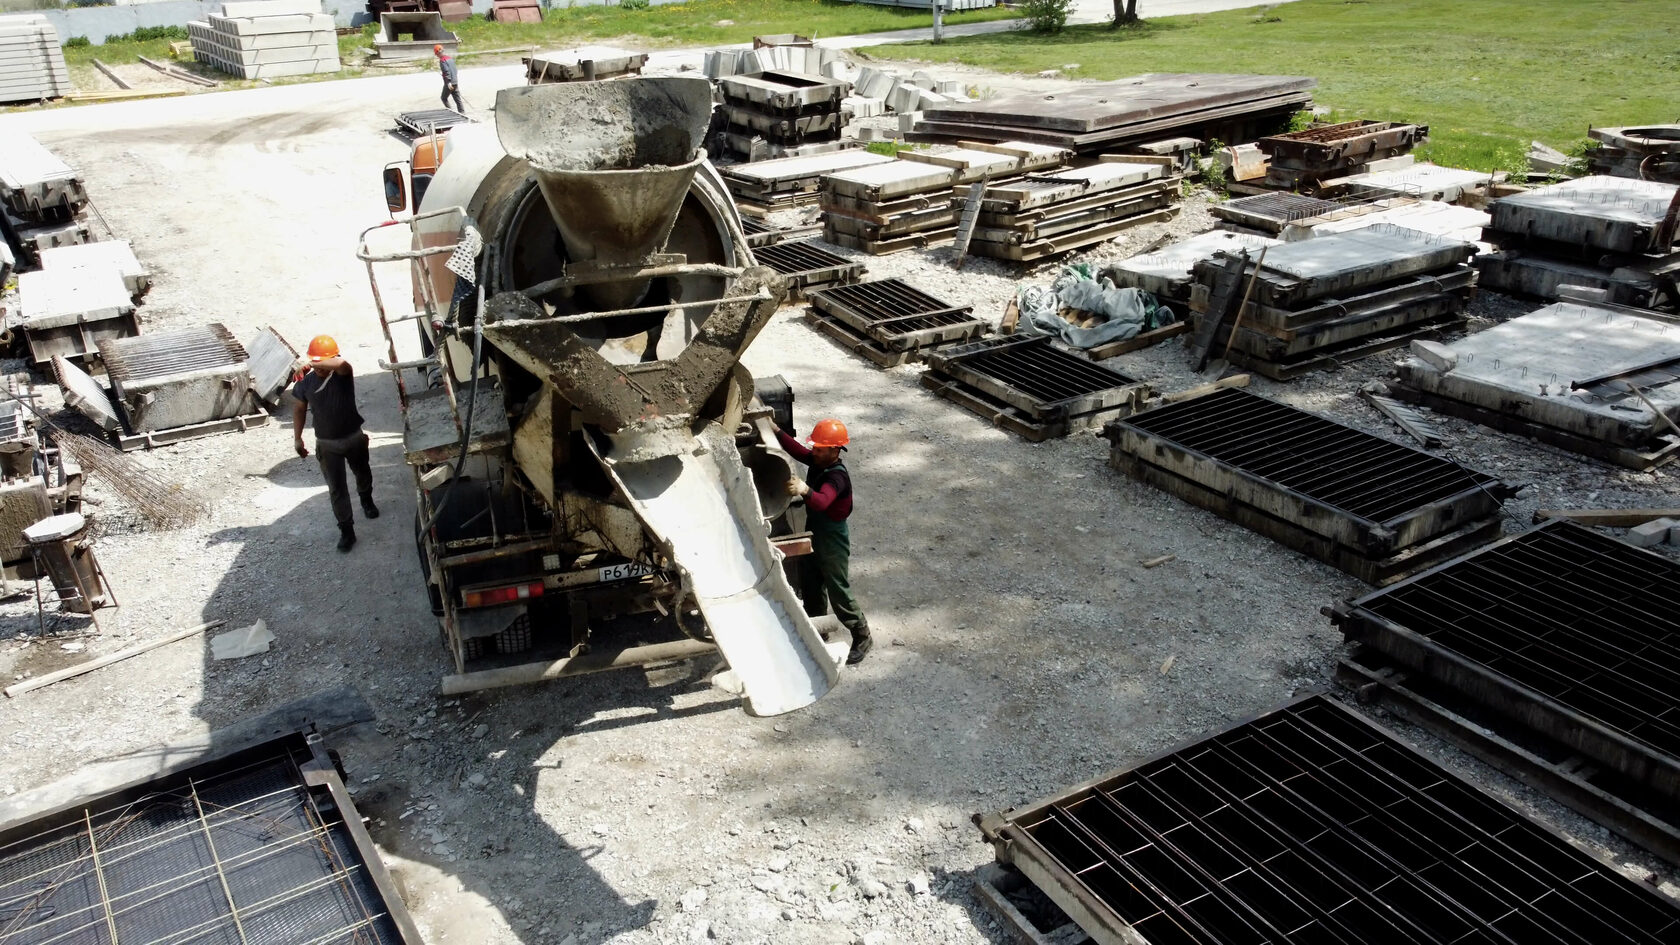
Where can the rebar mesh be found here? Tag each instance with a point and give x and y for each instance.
(242, 857)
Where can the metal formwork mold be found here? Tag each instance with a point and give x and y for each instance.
(1357, 501)
(806, 265)
(1559, 630)
(429, 120)
(1031, 386)
(179, 378)
(1313, 824)
(1610, 213)
(890, 321)
(263, 847)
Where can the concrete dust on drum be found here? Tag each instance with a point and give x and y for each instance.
(702, 505)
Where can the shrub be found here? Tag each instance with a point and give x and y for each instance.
(76, 42)
(1046, 16)
(634, 4)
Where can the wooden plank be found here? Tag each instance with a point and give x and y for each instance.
(39, 682)
(1606, 518)
(1138, 341)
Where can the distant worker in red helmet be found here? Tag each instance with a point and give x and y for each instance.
(827, 490)
(451, 79)
(329, 386)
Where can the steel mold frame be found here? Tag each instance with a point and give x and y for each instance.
(234, 876)
(1636, 758)
(1333, 830)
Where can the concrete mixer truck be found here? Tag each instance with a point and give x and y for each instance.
(597, 479)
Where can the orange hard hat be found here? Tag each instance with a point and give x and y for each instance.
(438, 48)
(323, 346)
(829, 432)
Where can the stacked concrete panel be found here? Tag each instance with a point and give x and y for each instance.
(790, 181)
(912, 203)
(31, 61)
(265, 39)
(1051, 213)
(804, 60)
(781, 112)
(1311, 304)
(67, 312)
(108, 256)
(1616, 235)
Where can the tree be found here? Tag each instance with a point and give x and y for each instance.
(1125, 11)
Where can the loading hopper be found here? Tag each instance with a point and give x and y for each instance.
(614, 161)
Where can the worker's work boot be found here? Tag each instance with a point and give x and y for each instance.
(861, 642)
(346, 537)
(368, 508)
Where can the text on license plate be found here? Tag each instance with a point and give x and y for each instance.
(621, 572)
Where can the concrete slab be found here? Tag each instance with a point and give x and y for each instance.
(1423, 181)
(1428, 216)
(261, 8)
(1611, 213)
(1364, 257)
(51, 298)
(1525, 366)
(115, 255)
(1103, 105)
(813, 165)
(1168, 271)
(1651, 534)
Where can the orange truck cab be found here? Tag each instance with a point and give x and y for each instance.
(423, 162)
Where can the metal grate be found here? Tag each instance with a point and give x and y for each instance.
(244, 856)
(753, 226)
(882, 299)
(1311, 824)
(1361, 474)
(1570, 631)
(1042, 371)
(799, 258)
(128, 360)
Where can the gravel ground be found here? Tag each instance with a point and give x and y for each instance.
(1023, 646)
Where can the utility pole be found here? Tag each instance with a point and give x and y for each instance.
(938, 22)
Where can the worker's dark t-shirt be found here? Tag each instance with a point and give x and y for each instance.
(332, 402)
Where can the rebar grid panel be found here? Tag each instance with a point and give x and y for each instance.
(1278, 208)
(245, 856)
(1312, 824)
(1363, 475)
(1041, 371)
(1570, 632)
(172, 352)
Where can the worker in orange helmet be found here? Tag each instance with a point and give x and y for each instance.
(825, 578)
(329, 386)
(451, 78)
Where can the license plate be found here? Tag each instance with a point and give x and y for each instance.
(623, 572)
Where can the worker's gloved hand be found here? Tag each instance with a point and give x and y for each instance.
(297, 443)
(796, 487)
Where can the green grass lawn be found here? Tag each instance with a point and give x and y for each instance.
(1487, 76)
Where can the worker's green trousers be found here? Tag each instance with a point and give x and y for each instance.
(825, 577)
